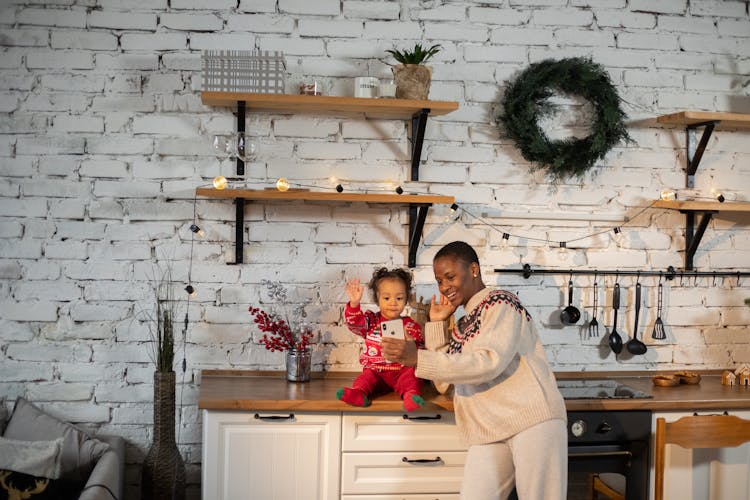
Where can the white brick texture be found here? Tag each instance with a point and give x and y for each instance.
(104, 139)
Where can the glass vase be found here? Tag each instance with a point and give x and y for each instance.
(298, 365)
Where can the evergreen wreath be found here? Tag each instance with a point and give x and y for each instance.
(526, 103)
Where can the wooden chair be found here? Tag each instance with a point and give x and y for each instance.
(609, 484)
(699, 431)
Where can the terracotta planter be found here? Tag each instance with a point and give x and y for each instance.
(412, 81)
(163, 469)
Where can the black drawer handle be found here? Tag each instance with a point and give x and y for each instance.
(436, 460)
(274, 417)
(422, 417)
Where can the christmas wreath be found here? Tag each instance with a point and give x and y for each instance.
(526, 103)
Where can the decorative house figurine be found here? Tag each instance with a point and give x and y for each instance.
(728, 378)
(743, 374)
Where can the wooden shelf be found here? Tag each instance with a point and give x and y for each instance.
(702, 206)
(418, 204)
(254, 194)
(706, 209)
(383, 108)
(728, 120)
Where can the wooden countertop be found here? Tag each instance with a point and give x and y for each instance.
(269, 391)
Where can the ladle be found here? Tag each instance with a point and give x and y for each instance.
(570, 315)
(634, 345)
(615, 341)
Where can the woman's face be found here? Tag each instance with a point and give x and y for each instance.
(455, 279)
(391, 297)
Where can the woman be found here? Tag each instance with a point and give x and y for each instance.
(508, 408)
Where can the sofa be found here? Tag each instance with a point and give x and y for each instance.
(43, 457)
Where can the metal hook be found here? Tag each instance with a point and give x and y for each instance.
(714, 283)
(681, 276)
(738, 279)
(660, 274)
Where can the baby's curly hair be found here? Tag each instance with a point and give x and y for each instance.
(384, 273)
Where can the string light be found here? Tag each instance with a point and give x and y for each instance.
(506, 240)
(220, 182)
(618, 236)
(282, 184)
(339, 188)
(197, 230)
(399, 190)
(191, 291)
(563, 253)
(667, 194)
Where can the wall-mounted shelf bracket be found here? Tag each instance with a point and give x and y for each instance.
(418, 125)
(695, 148)
(417, 216)
(692, 235)
(239, 203)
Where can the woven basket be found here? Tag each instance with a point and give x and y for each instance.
(163, 469)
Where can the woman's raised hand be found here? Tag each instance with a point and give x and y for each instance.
(442, 310)
(354, 290)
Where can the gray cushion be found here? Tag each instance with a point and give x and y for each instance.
(35, 458)
(80, 451)
(3, 416)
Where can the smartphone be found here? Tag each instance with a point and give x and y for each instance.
(393, 329)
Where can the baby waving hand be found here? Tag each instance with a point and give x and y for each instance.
(390, 289)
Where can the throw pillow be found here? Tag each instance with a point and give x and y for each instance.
(36, 458)
(80, 452)
(14, 485)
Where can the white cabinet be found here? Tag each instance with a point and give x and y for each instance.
(401, 457)
(271, 456)
(712, 474)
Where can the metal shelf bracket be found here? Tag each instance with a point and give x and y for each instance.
(695, 149)
(692, 235)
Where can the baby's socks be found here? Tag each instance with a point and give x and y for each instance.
(412, 401)
(354, 397)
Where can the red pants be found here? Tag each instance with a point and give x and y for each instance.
(401, 381)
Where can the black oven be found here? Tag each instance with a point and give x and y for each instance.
(607, 441)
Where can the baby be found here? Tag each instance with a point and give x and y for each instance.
(390, 288)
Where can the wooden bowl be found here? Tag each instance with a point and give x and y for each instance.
(687, 377)
(666, 380)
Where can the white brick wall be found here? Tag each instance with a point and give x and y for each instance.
(104, 138)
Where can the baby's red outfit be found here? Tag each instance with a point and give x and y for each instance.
(378, 375)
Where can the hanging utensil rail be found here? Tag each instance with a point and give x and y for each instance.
(670, 273)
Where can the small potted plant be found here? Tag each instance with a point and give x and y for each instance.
(412, 76)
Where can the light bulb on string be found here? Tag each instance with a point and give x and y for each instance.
(506, 240)
(197, 230)
(667, 194)
(618, 236)
(563, 252)
(282, 184)
(721, 196)
(220, 182)
(453, 215)
(399, 190)
(339, 188)
(191, 291)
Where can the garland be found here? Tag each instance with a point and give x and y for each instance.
(525, 103)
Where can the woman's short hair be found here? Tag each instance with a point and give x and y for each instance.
(385, 273)
(459, 250)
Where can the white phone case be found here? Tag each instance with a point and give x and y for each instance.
(393, 328)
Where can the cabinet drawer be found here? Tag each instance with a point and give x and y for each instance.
(394, 473)
(363, 432)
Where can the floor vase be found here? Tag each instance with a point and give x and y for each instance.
(163, 476)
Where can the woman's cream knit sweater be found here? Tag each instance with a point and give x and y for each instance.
(503, 383)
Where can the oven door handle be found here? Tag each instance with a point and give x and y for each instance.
(589, 454)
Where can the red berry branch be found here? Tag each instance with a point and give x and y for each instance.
(278, 336)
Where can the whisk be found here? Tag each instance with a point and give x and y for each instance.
(659, 333)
